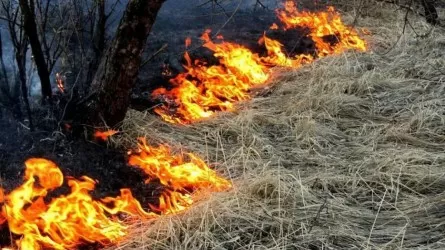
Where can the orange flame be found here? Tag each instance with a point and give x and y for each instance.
(103, 135)
(68, 221)
(60, 83)
(276, 56)
(321, 26)
(174, 171)
(202, 90)
(188, 42)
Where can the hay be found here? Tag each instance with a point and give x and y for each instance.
(346, 153)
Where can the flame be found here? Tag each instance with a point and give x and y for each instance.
(322, 25)
(202, 89)
(175, 171)
(63, 223)
(188, 42)
(276, 56)
(60, 83)
(68, 221)
(103, 135)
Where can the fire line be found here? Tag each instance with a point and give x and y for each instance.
(71, 220)
(74, 219)
(203, 90)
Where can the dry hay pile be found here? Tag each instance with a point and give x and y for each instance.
(346, 153)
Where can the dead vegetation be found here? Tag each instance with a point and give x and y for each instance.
(346, 153)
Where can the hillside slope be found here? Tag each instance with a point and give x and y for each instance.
(345, 153)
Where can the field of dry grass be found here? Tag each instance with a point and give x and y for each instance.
(346, 153)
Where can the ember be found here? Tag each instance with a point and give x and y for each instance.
(68, 221)
(104, 135)
(203, 90)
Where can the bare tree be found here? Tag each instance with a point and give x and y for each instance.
(45, 26)
(39, 23)
(20, 43)
(8, 96)
(30, 26)
(99, 37)
(110, 92)
(89, 21)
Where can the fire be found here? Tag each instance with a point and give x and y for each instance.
(203, 90)
(175, 171)
(63, 223)
(276, 56)
(60, 83)
(103, 135)
(68, 221)
(323, 26)
(188, 42)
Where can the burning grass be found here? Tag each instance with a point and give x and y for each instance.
(203, 90)
(44, 220)
(345, 153)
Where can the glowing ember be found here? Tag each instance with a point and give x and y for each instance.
(202, 90)
(68, 221)
(103, 135)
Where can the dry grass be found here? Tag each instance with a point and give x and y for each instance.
(346, 153)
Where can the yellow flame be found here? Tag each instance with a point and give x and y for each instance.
(203, 90)
(68, 221)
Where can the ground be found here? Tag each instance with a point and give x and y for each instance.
(345, 153)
